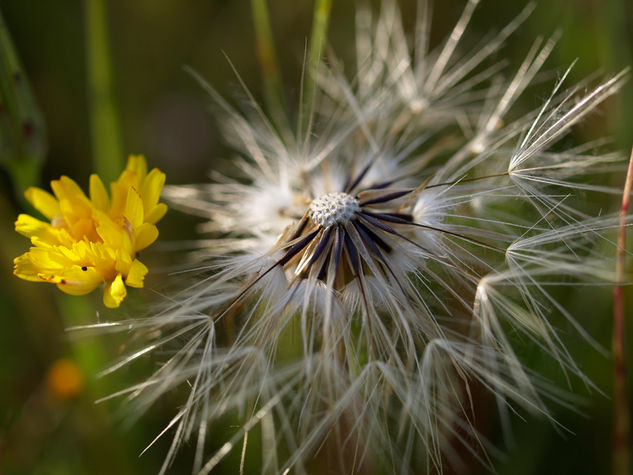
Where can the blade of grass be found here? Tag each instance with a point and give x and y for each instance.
(273, 86)
(621, 413)
(22, 128)
(90, 353)
(107, 151)
(316, 45)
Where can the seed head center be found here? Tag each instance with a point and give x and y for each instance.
(333, 208)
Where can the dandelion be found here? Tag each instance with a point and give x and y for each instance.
(364, 276)
(95, 240)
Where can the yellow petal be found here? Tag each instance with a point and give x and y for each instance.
(111, 234)
(119, 190)
(43, 201)
(49, 259)
(156, 213)
(123, 262)
(134, 208)
(66, 188)
(138, 165)
(75, 289)
(114, 292)
(25, 269)
(73, 202)
(146, 234)
(82, 227)
(34, 228)
(136, 275)
(98, 193)
(152, 187)
(79, 287)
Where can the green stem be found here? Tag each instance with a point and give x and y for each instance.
(107, 151)
(318, 36)
(273, 87)
(90, 353)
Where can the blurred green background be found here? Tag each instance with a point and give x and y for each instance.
(48, 420)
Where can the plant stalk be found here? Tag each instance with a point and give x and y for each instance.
(107, 151)
(621, 412)
(273, 87)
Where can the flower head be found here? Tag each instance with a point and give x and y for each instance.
(92, 240)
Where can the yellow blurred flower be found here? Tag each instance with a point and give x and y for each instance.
(65, 379)
(93, 240)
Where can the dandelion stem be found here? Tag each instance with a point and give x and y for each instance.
(107, 152)
(621, 425)
(273, 87)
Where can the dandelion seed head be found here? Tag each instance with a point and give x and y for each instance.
(268, 208)
(363, 273)
(333, 208)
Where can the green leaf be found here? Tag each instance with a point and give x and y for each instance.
(23, 141)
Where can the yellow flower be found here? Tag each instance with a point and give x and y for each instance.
(93, 240)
